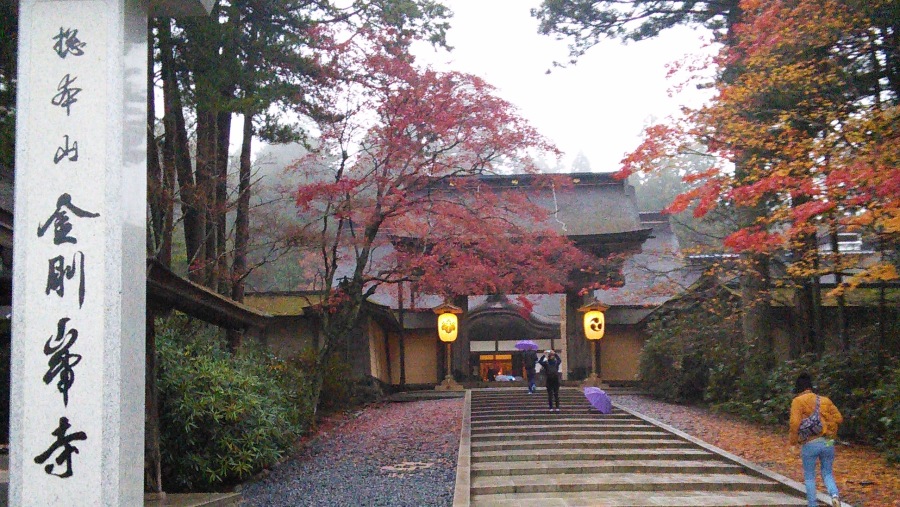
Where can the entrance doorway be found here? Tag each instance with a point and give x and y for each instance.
(506, 366)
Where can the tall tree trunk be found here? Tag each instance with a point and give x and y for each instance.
(223, 129)
(755, 320)
(838, 271)
(461, 356)
(152, 457)
(164, 254)
(241, 224)
(206, 167)
(882, 308)
(155, 198)
(402, 336)
(817, 308)
(178, 148)
(242, 218)
(754, 284)
(805, 298)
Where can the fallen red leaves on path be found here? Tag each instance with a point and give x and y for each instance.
(863, 476)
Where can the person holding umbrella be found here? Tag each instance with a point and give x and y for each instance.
(530, 357)
(531, 360)
(550, 362)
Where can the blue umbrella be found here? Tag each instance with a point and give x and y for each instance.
(526, 345)
(598, 399)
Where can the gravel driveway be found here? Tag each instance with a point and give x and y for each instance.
(399, 454)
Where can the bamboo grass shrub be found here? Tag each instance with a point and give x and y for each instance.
(223, 417)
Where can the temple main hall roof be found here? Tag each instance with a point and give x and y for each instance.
(580, 204)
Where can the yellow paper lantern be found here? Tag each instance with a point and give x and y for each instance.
(594, 324)
(448, 326)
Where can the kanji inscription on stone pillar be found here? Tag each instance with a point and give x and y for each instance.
(79, 283)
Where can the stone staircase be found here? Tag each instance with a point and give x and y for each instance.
(520, 454)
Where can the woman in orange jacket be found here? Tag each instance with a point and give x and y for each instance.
(817, 445)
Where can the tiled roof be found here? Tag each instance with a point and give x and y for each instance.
(580, 204)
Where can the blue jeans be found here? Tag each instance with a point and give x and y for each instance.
(822, 450)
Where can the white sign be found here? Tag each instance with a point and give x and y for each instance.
(79, 282)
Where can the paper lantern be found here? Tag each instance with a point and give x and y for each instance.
(594, 325)
(448, 327)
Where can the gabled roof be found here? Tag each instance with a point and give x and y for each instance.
(580, 204)
(499, 318)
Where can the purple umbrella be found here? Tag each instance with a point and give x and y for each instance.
(526, 345)
(598, 399)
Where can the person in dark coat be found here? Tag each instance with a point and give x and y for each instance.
(550, 362)
(530, 363)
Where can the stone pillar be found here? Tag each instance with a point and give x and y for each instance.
(461, 348)
(563, 336)
(79, 281)
(578, 348)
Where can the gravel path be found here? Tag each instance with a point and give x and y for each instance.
(398, 455)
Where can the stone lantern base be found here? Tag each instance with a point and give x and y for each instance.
(449, 385)
(594, 381)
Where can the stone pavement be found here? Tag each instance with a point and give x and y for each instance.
(514, 452)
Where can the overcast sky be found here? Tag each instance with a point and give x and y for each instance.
(597, 107)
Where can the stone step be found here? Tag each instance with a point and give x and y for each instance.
(563, 411)
(591, 454)
(512, 401)
(552, 433)
(640, 499)
(610, 466)
(532, 409)
(519, 392)
(544, 414)
(533, 398)
(620, 482)
(585, 443)
(552, 419)
(524, 396)
(562, 426)
(529, 400)
(522, 454)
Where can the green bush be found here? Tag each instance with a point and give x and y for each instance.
(694, 346)
(336, 385)
(223, 417)
(676, 363)
(657, 368)
(678, 373)
(885, 402)
(726, 366)
(762, 391)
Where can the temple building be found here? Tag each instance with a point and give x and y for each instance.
(599, 214)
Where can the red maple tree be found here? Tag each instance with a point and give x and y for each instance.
(394, 189)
